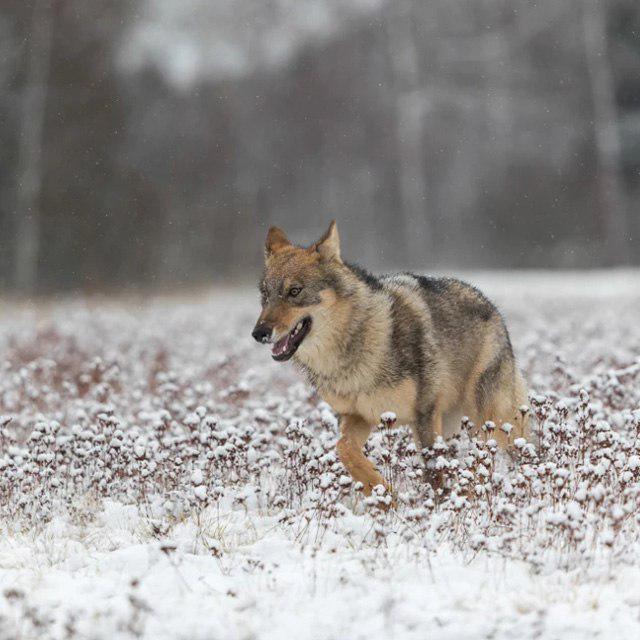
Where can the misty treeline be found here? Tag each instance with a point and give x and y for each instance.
(151, 142)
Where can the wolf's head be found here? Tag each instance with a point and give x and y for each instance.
(299, 290)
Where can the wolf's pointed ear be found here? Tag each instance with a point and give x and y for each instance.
(329, 245)
(276, 241)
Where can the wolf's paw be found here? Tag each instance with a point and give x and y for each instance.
(382, 498)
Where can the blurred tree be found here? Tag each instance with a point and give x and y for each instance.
(29, 162)
(162, 137)
(616, 232)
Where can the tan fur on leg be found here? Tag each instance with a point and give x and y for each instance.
(355, 432)
(437, 425)
(505, 407)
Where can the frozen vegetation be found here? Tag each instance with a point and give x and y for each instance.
(160, 478)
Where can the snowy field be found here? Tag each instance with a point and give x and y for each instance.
(161, 477)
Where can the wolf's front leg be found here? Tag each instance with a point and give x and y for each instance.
(428, 425)
(427, 428)
(354, 433)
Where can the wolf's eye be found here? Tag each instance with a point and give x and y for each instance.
(294, 291)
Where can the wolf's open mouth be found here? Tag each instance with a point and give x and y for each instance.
(284, 348)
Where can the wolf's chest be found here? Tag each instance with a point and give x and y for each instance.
(400, 399)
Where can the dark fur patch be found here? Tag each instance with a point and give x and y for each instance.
(479, 306)
(364, 276)
(489, 380)
(433, 285)
(471, 304)
(406, 339)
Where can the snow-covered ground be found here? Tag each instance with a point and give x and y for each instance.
(161, 477)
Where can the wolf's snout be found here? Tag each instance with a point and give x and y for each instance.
(262, 332)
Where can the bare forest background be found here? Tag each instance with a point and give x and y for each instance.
(150, 143)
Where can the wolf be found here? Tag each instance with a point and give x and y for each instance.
(430, 350)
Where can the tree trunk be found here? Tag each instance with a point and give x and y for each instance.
(605, 122)
(412, 107)
(30, 147)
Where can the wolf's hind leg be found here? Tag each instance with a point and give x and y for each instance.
(354, 433)
(499, 393)
(427, 428)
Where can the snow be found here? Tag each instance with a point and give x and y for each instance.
(161, 477)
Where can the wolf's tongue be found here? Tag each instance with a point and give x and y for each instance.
(281, 346)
